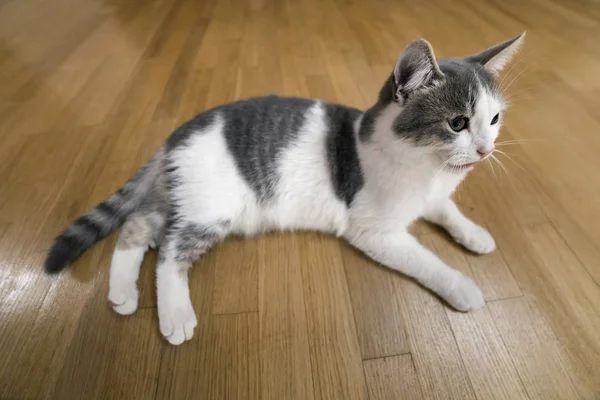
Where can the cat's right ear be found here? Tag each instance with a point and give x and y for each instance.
(416, 69)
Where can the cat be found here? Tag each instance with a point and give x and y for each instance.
(276, 163)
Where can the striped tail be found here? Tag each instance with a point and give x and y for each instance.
(106, 218)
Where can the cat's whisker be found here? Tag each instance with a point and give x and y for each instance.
(507, 74)
(510, 158)
(513, 101)
(437, 172)
(516, 142)
(509, 176)
(514, 80)
(510, 96)
(500, 164)
(491, 165)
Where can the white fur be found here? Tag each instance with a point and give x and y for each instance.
(402, 182)
(176, 315)
(124, 272)
(211, 188)
(305, 197)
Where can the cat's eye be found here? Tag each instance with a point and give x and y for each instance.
(495, 119)
(459, 123)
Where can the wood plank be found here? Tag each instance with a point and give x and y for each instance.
(376, 302)
(485, 356)
(89, 91)
(538, 356)
(334, 349)
(537, 261)
(285, 357)
(437, 359)
(236, 277)
(489, 271)
(392, 378)
(234, 364)
(122, 365)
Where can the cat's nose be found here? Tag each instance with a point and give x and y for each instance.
(485, 151)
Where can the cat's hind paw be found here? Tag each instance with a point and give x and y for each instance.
(124, 299)
(177, 324)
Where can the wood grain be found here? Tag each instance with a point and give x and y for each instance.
(285, 357)
(237, 272)
(485, 356)
(392, 378)
(490, 271)
(89, 90)
(540, 359)
(376, 302)
(440, 368)
(334, 349)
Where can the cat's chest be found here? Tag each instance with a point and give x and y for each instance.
(404, 200)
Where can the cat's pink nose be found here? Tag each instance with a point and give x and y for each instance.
(485, 151)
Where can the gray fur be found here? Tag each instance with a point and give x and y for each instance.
(188, 129)
(425, 114)
(105, 218)
(424, 118)
(142, 229)
(256, 132)
(485, 56)
(346, 173)
(386, 97)
(192, 240)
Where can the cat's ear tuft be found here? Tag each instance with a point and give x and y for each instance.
(495, 58)
(416, 69)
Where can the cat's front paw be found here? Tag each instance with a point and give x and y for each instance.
(464, 294)
(476, 239)
(177, 323)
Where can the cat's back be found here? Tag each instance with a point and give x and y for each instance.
(274, 159)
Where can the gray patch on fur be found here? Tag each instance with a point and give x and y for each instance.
(386, 96)
(192, 240)
(107, 217)
(344, 164)
(485, 56)
(425, 116)
(256, 131)
(141, 230)
(197, 124)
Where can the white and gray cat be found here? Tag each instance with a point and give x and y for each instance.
(274, 163)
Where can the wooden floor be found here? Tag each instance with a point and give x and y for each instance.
(90, 88)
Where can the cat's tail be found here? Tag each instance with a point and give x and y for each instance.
(106, 218)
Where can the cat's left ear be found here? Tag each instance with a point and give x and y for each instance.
(495, 58)
(415, 70)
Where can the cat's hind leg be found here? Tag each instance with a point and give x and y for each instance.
(183, 244)
(140, 231)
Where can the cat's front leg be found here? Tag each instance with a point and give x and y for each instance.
(464, 231)
(402, 252)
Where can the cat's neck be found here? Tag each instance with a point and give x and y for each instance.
(396, 163)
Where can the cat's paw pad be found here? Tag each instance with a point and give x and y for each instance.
(124, 299)
(478, 240)
(177, 323)
(464, 294)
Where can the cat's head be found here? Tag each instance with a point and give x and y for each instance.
(450, 108)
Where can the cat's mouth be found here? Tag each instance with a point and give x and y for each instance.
(462, 167)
